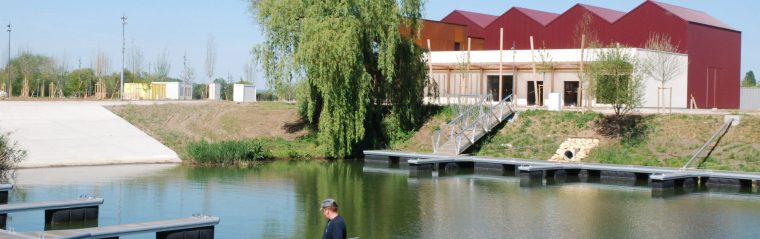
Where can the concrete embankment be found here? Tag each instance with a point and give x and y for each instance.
(76, 134)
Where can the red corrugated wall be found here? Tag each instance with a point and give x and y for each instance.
(517, 28)
(714, 61)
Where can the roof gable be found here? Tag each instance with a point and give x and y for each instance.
(607, 14)
(541, 17)
(694, 16)
(480, 19)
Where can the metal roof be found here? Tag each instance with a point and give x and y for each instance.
(605, 13)
(695, 16)
(482, 20)
(540, 16)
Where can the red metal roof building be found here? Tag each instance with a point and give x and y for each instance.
(713, 47)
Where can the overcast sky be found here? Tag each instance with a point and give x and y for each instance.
(77, 29)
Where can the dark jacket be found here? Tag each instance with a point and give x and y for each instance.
(335, 229)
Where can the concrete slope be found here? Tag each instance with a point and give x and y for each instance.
(78, 133)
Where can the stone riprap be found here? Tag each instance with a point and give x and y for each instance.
(574, 149)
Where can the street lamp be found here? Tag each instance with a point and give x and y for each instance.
(8, 68)
(123, 51)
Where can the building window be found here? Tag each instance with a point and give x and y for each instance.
(457, 46)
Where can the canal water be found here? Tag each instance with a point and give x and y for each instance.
(280, 200)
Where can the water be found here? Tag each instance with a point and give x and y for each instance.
(281, 199)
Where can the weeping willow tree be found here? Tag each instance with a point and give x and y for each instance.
(355, 63)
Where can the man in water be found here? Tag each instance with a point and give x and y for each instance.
(336, 227)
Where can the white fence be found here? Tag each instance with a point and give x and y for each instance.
(749, 99)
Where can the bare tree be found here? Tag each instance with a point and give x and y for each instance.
(250, 74)
(162, 66)
(210, 58)
(545, 65)
(27, 67)
(661, 65)
(61, 71)
(102, 66)
(136, 60)
(188, 73)
(585, 38)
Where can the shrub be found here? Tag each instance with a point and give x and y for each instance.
(227, 151)
(10, 155)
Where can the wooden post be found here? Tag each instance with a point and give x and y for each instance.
(482, 80)
(430, 70)
(469, 78)
(582, 72)
(659, 93)
(535, 75)
(448, 87)
(670, 102)
(501, 66)
(514, 74)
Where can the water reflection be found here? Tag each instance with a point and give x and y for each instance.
(280, 200)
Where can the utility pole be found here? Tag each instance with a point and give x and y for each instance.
(123, 51)
(8, 68)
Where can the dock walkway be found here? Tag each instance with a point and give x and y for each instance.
(530, 171)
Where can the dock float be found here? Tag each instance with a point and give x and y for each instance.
(4, 188)
(663, 181)
(57, 212)
(200, 227)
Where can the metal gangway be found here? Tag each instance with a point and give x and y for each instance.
(699, 156)
(476, 116)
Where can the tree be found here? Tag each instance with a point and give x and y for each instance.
(250, 74)
(749, 80)
(102, 64)
(545, 65)
(585, 38)
(162, 67)
(661, 65)
(188, 73)
(354, 65)
(79, 81)
(617, 79)
(136, 61)
(30, 70)
(210, 57)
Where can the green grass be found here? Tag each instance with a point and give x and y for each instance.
(300, 148)
(667, 140)
(227, 151)
(536, 134)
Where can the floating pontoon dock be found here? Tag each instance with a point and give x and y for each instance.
(532, 172)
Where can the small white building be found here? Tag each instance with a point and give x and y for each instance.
(451, 78)
(244, 93)
(175, 90)
(214, 91)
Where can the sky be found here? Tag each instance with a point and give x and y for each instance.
(75, 30)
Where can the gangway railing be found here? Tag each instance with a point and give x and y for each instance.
(471, 124)
(721, 131)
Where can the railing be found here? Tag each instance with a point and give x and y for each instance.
(722, 130)
(478, 116)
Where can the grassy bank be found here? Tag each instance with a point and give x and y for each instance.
(203, 131)
(667, 140)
